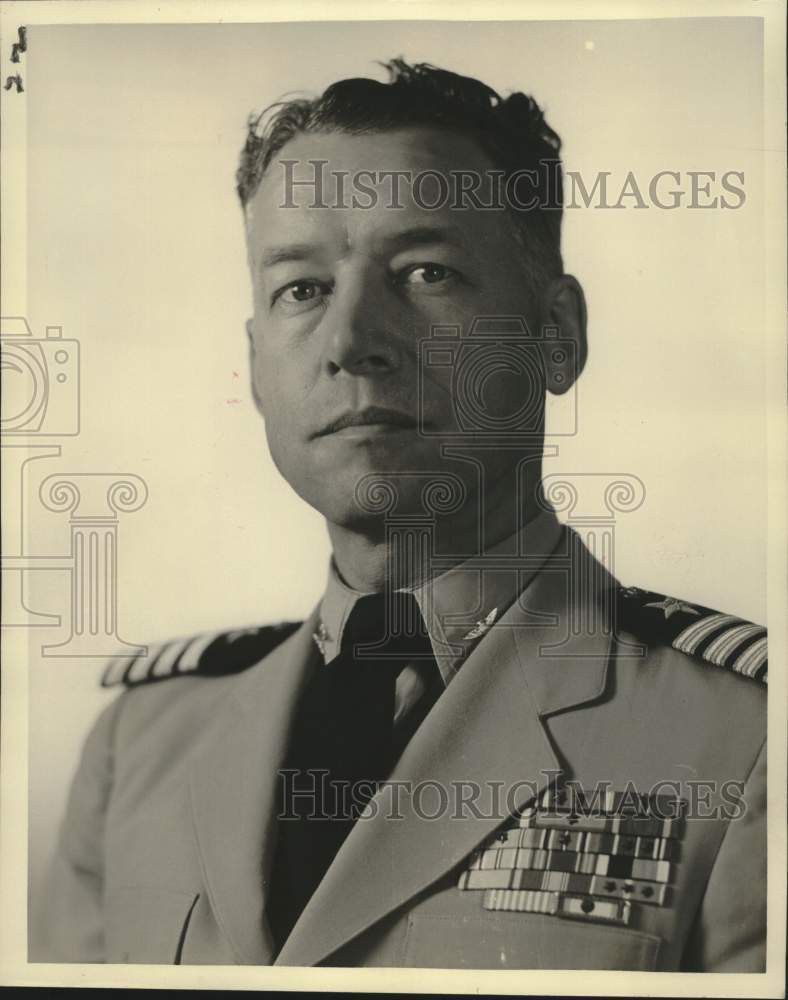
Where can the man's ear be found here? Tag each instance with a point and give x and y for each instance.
(252, 352)
(564, 308)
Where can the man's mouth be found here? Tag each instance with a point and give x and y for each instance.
(372, 417)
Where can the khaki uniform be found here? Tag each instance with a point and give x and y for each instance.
(166, 848)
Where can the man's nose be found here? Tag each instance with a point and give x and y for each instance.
(359, 338)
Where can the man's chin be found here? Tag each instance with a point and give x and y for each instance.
(355, 486)
(365, 502)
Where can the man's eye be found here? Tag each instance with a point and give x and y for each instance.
(427, 274)
(301, 292)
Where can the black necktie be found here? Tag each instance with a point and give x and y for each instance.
(343, 726)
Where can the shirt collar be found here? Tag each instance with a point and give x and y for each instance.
(461, 604)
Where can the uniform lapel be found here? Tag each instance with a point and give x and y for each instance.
(565, 631)
(485, 728)
(233, 791)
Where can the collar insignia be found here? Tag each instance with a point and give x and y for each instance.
(483, 626)
(321, 637)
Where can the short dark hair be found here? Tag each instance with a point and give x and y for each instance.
(512, 131)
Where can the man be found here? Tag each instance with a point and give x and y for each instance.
(479, 750)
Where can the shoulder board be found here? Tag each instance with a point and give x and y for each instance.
(723, 640)
(211, 654)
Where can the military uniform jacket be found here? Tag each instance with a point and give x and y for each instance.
(165, 852)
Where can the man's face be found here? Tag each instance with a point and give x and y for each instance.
(342, 298)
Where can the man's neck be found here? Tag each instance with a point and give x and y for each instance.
(373, 559)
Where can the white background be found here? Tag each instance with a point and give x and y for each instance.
(135, 247)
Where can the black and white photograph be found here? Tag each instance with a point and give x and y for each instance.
(393, 443)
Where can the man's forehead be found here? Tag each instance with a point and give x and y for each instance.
(411, 149)
(339, 185)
